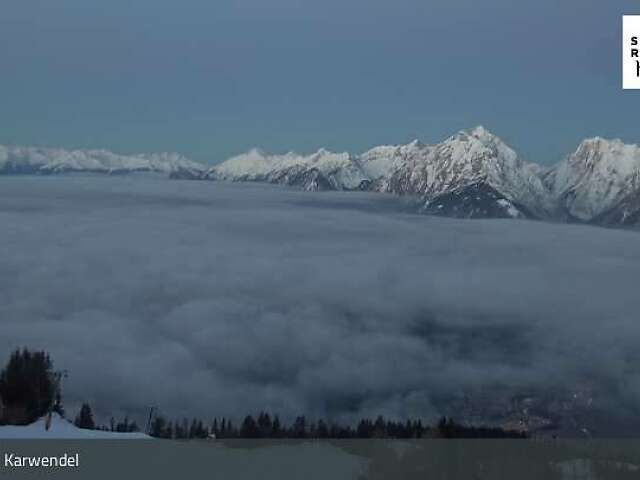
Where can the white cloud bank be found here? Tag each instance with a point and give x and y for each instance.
(210, 299)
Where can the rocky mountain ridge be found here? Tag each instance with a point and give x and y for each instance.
(48, 161)
(472, 174)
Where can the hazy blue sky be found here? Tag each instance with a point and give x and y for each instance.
(213, 78)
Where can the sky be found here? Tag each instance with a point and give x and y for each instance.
(226, 301)
(213, 79)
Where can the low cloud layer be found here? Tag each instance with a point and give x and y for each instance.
(211, 299)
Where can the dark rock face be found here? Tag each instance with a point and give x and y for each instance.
(626, 213)
(475, 201)
(185, 174)
(307, 179)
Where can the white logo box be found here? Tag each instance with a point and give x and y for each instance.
(631, 52)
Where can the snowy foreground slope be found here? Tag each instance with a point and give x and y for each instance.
(34, 160)
(472, 174)
(61, 428)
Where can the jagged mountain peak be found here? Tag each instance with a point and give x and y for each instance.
(596, 177)
(478, 133)
(257, 151)
(479, 147)
(412, 147)
(415, 143)
(321, 152)
(612, 153)
(321, 170)
(466, 161)
(324, 155)
(256, 161)
(598, 142)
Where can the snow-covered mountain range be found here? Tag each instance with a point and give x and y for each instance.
(30, 160)
(322, 170)
(472, 174)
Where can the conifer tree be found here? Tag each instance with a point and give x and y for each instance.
(276, 427)
(28, 382)
(85, 418)
(300, 427)
(249, 428)
(322, 430)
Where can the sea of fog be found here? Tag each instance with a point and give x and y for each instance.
(210, 299)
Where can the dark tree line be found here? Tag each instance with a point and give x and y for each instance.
(125, 426)
(267, 426)
(85, 420)
(30, 388)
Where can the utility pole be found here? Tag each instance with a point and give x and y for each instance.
(152, 410)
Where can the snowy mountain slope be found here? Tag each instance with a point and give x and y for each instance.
(470, 159)
(322, 170)
(379, 163)
(596, 178)
(30, 160)
(61, 428)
